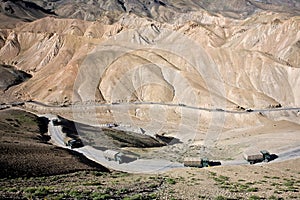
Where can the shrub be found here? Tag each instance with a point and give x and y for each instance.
(92, 183)
(253, 189)
(171, 181)
(100, 196)
(274, 198)
(289, 183)
(254, 197)
(97, 173)
(213, 173)
(37, 192)
(220, 198)
(152, 196)
(134, 197)
(75, 194)
(225, 178)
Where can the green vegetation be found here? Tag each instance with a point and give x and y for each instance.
(289, 183)
(234, 187)
(92, 183)
(220, 198)
(254, 197)
(253, 189)
(134, 197)
(275, 198)
(275, 177)
(102, 185)
(97, 173)
(141, 197)
(12, 190)
(88, 185)
(99, 196)
(212, 173)
(37, 191)
(221, 179)
(170, 181)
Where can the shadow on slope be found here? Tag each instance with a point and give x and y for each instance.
(25, 151)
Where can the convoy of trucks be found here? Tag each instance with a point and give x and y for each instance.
(252, 156)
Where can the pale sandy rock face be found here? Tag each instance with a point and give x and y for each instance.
(255, 61)
(146, 83)
(11, 47)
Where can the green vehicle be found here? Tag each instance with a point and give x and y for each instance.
(205, 162)
(196, 162)
(255, 157)
(266, 155)
(73, 142)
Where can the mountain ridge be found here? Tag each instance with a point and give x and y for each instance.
(243, 51)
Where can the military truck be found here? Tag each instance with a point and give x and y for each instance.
(255, 157)
(112, 155)
(119, 157)
(56, 122)
(196, 162)
(73, 142)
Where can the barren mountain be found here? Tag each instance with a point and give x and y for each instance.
(219, 77)
(12, 12)
(164, 10)
(255, 59)
(160, 10)
(186, 58)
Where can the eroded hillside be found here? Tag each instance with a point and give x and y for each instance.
(254, 62)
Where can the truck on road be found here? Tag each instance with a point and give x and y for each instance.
(113, 155)
(195, 162)
(119, 157)
(73, 142)
(254, 156)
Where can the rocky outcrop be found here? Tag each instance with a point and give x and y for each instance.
(10, 76)
(248, 63)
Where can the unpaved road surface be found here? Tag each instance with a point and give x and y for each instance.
(143, 165)
(137, 166)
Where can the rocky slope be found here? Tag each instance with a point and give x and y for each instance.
(9, 76)
(13, 12)
(165, 9)
(25, 151)
(254, 62)
(160, 10)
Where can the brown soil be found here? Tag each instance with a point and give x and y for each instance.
(24, 150)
